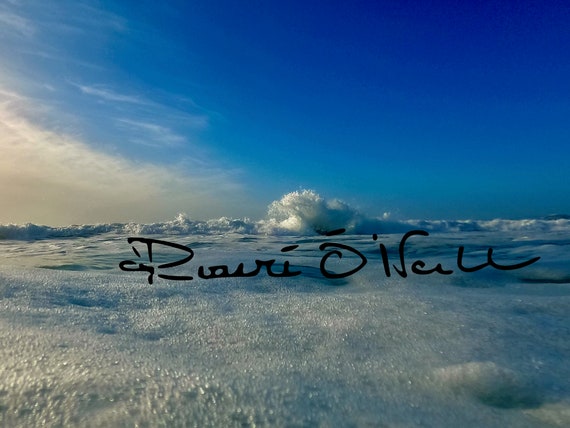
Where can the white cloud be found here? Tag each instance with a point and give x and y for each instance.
(145, 131)
(109, 95)
(154, 135)
(14, 22)
(50, 178)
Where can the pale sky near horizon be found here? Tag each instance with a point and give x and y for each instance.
(136, 111)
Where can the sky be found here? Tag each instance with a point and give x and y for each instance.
(114, 111)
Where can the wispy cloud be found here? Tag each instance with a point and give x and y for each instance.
(151, 133)
(148, 108)
(49, 39)
(17, 23)
(110, 95)
(63, 111)
(64, 17)
(49, 177)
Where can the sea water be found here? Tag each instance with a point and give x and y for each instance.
(84, 343)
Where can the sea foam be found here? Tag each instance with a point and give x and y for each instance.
(86, 344)
(302, 212)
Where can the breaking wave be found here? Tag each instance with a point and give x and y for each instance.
(302, 212)
(307, 212)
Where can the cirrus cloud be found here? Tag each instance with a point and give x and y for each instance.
(51, 178)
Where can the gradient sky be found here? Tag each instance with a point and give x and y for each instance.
(138, 110)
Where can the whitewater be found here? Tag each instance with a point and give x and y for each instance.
(84, 343)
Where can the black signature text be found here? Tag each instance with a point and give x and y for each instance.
(333, 250)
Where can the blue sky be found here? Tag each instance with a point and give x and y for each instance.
(138, 110)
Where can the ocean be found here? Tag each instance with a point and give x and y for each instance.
(314, 316)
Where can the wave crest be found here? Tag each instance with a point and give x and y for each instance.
(306, 211)
(302, 212)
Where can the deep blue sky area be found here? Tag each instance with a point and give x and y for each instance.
(424, 109)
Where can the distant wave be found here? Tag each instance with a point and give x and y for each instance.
(557, 217)
(302, 212)
(31, 231)
(181, 225)
(306, 212)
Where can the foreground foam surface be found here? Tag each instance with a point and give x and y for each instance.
(100, 349)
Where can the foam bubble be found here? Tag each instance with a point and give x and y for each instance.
(490, 384)
(553, 414)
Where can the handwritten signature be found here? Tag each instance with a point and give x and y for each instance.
(336, 249)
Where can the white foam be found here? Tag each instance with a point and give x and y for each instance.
(93, 348)
(491, 384)
(302, 212)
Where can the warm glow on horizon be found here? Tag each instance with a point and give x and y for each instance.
(55, 179)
